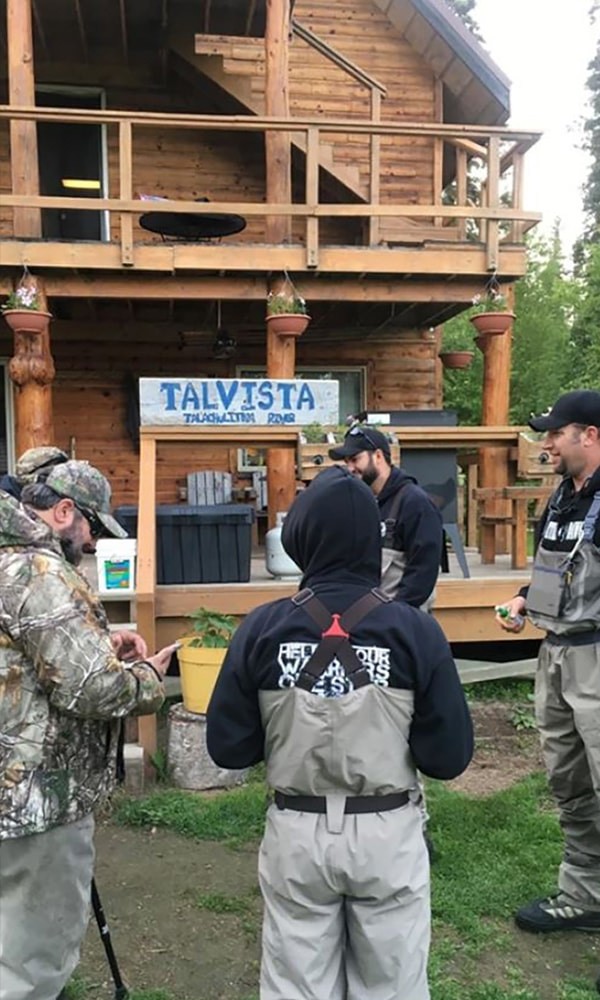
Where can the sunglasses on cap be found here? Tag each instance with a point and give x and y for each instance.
(356, 431)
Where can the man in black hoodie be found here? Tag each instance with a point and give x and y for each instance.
(343, 697)
(563, 598)
(411, 523)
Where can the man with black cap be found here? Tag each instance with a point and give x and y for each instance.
(564, 599)
(64, 688)
(342, 692)
(411, 523)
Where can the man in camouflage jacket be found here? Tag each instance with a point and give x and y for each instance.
(63, 690)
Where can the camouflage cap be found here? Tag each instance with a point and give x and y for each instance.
(88, 489)
(35, 463)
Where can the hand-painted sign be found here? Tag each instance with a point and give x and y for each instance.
(238, 401)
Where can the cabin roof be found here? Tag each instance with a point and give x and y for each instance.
(477, 91)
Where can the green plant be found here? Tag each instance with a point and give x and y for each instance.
(211, 628)
(523, 717)
(492, 302)
(279, 303)
(24, 297)
(313, 433)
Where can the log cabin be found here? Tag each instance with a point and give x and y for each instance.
(165, 164)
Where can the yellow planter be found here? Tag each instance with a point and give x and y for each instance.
(198, 668)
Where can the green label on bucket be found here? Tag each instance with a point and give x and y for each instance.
(118, 575)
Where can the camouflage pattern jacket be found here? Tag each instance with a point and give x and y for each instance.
(62, 689)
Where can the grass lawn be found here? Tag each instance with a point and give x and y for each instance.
(494, 853)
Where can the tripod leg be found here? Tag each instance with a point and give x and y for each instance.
(121, 991)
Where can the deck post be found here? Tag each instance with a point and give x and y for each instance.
(31, 370)
(281, 350)
(23, 134)
(493, 462)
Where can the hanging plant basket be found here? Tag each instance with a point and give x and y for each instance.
(27, 320)
(288, 324)
(456, 359)
(492, 322)
(480, 341)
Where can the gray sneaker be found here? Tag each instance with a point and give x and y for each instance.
(554, 914)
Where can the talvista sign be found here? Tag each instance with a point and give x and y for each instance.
(181, 401)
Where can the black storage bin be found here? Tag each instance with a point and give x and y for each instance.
(198, 544)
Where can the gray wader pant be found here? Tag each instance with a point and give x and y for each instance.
(568, 716)
(45, 884)
(346, 913)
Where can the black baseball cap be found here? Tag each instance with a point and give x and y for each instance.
(359, 439)
(579, 407)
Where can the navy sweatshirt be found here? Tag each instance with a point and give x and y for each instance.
(333, 533)
(418, 533)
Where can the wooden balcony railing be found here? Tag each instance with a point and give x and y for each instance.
(498, 215)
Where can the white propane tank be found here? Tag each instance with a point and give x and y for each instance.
(277, 561)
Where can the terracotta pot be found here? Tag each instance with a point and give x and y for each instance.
(492, 322)
(27, 320)
(456, 359)
(480, 341)
(289, 324)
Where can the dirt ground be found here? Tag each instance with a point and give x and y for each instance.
(150, 882)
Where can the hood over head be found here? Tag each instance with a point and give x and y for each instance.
(333, 530)
(19, 527)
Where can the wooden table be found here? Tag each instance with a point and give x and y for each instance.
(519, 497)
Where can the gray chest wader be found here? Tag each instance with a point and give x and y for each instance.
(393, 560)
(335, 643)
(564, 595)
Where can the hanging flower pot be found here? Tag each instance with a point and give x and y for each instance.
(27, 320)
(480, 341)
(492, 322)
(289, 324)
(456, 359)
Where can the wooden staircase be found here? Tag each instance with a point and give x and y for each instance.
(236, 66)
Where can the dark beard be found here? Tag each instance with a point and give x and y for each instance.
(71, 552)
(370, 474)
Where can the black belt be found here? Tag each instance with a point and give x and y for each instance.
(354, 803)
(574, 638)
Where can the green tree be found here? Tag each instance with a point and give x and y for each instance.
(546, 300)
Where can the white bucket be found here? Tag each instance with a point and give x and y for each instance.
(115, 558)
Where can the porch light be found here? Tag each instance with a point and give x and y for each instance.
(80, 184)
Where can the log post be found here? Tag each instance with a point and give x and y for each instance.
(32, 372)
(493, 462)
(281, 350)
(23, 135)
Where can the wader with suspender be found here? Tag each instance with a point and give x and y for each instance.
(335, 643)
(393, 560)
(564, 594)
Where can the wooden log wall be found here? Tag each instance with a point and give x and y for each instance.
(94, 361)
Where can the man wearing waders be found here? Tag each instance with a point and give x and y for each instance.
(411, 527)
(343, 693)
(564, 599)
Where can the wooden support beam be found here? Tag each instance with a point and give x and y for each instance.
(312, 196)
(375, 168)
(146, 573)
(281, 350)
(126, 189)
(31, 370)
(493, 201)
(493, 462)
(159, 288)
(23, 134)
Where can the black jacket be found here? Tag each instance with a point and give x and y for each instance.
(418, 533)
(562, 520)
(332, 533)
(11, 485)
